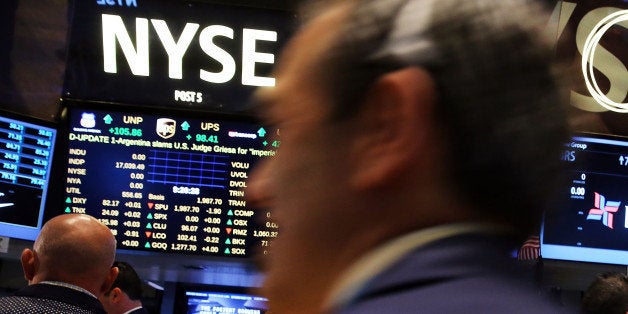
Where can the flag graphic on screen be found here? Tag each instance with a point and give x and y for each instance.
(604, 210)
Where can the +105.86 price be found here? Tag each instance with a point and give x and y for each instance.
(125, 131)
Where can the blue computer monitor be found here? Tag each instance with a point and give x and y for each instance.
(26, 157)
(168, 181)
(587, 222)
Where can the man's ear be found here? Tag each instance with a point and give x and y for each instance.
(395, 126)
(111, 277)
(29, 264)
(116, 294)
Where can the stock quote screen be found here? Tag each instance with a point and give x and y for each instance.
(26, 151)
(169, 182)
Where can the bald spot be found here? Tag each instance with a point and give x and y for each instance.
(75, 246)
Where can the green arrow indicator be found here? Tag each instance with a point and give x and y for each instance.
(185, 126)
(108, 119)
(229, 223)
(228, 241)
(150, 216)
(149, 226)
(68, 200)
(67, 210)
(261, 132)
(230, 213)
(227, 251)
(147, 245)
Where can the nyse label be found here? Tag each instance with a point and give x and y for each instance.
(115, 32)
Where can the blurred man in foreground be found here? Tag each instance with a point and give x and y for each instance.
(68, 267)
(419, 141)
(125, 293)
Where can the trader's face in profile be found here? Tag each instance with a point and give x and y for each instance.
(303, 184)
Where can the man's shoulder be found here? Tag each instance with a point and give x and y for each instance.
(35, 305)
(463, 274)
(43, 298)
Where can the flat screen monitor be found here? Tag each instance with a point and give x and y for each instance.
(203, 301)
(168, 181)
(588, 220)
(199, 298)
(26, 155)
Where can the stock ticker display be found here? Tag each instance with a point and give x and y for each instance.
(169, 183)
(26, 150)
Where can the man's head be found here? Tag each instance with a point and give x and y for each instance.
(400, 115)
(489, 62)
(125, 292)
(608, 294)
(75, 249)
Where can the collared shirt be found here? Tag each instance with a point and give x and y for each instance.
(51, 297)
(382, 257)
(69, 286)
(133, 310)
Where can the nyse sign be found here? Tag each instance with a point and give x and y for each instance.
(173, 53)
(114, 31)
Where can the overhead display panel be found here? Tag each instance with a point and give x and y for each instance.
(169, 182)
(172, 53)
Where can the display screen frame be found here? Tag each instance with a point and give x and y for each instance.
(589, 205)
(69, 105)
(185, 293)
(41, 210)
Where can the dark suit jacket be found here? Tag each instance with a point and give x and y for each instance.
(44, 298)
(461, 274)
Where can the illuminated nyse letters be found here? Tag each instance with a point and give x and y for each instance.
(250, 57)
(208, 46)
(113, 28)
(175, 50)
(137, 56)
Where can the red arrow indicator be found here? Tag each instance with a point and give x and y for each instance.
(150, 205)
(148, 233)
(228, 230)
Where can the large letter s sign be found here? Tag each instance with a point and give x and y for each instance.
(590, 30)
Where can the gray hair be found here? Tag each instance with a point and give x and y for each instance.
(499, 104)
